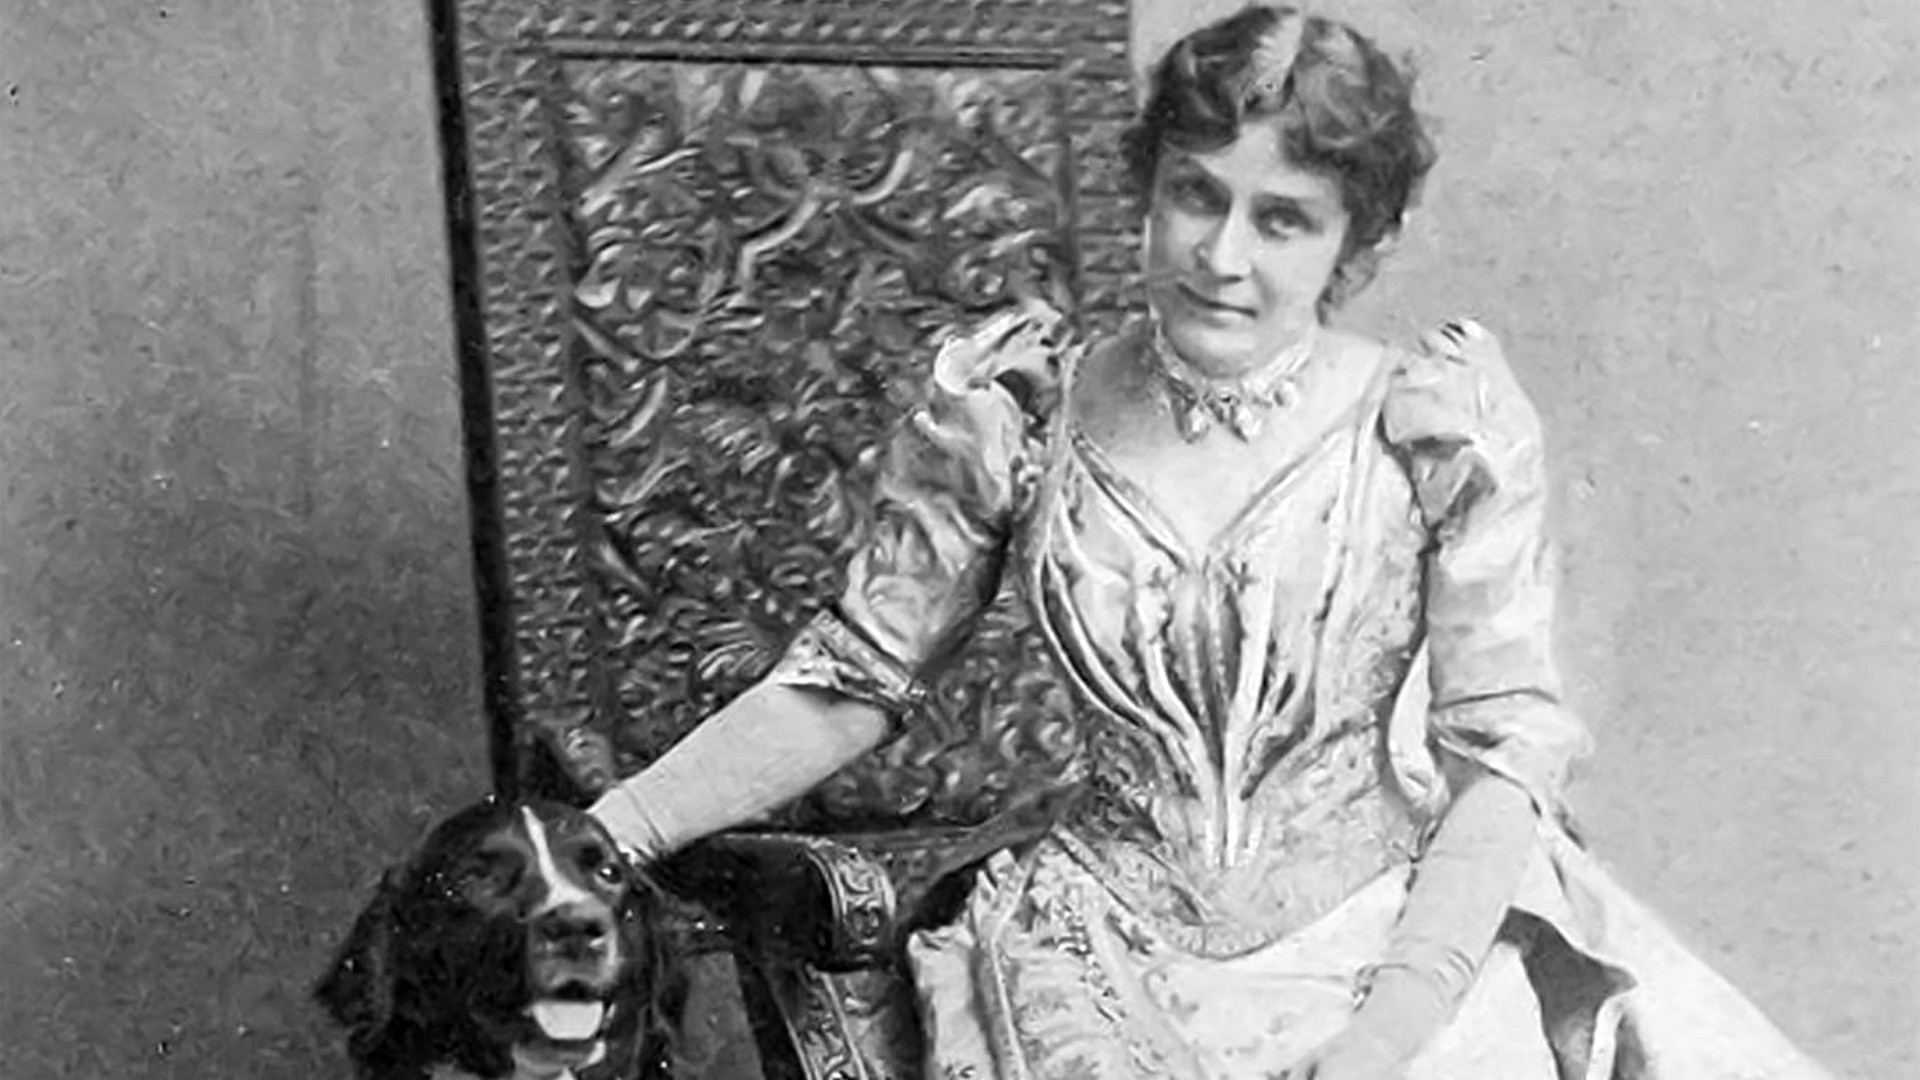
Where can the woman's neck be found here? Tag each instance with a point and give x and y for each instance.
(1243, 400)
(1236, 366)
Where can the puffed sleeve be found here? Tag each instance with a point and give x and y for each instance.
(957, 476)
(1472, 446)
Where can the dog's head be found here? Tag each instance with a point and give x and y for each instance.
(513, 943)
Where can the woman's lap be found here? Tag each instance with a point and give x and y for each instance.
(1047, 976)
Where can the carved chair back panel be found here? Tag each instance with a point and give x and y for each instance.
(707, 256)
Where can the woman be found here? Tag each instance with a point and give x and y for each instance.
(1241, 530)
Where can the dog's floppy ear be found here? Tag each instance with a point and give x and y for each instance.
(357, 991)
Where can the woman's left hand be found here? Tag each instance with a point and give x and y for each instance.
(1352, 1054)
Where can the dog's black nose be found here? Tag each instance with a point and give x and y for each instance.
(573, 933)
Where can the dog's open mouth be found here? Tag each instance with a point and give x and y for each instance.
(567, 1020)
(570, 1019)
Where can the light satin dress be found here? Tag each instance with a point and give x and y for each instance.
(1258, 784)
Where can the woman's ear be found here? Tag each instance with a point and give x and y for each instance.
(1353, 273)
(357, 991)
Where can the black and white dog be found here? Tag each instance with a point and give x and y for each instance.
(513, 943)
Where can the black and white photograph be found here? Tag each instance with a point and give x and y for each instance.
(959, 540)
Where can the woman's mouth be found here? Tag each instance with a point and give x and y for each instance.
(1208, 306)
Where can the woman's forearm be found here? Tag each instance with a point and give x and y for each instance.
(1465, 881)
(1462, 887)
(765, 748)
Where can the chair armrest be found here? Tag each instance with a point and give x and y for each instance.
(844, 901)
(809, 898)
(836, 903)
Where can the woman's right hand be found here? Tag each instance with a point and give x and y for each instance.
(634, 832)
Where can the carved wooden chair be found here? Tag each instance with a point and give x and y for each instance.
(701, 248)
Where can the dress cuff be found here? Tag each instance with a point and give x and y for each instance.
(829, 654)
(1527, 738)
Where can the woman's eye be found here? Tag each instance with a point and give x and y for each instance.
(1188, 191)
(1283, 223)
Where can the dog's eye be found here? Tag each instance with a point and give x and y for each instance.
(494, 872)
(601, 864)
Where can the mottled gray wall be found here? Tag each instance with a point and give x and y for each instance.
(237, 655)
(236, 633)
(1696, 225)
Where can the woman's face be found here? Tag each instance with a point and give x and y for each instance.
(1241, 243)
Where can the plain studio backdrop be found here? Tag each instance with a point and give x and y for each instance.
(237, 654)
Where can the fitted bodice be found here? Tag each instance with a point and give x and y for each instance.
(1228, 731)
(1247, 768)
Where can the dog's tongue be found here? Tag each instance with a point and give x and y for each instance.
(569, 1021)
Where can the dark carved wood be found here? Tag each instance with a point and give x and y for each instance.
(709, 244)
(703, 251)
(766, 253)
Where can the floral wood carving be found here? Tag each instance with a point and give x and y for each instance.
(960, 151)
(768, 253)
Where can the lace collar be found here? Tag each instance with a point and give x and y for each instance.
(1241, 405)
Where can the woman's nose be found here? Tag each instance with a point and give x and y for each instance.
(1225, 249)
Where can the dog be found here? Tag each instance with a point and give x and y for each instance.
(513, 943)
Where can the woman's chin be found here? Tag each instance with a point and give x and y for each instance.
(1221, 351)
(1228, 347)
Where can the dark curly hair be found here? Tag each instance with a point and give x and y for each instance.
(1341, 104)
